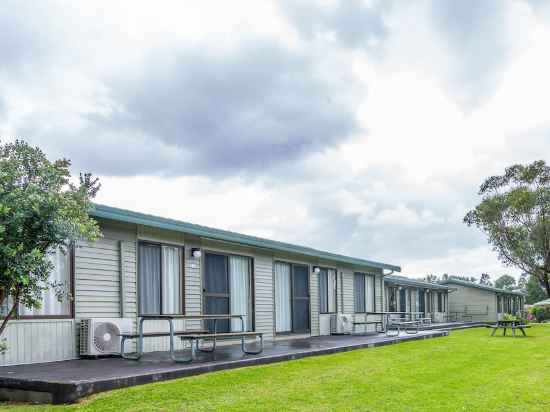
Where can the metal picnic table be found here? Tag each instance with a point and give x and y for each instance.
(386, 320)
(172, 333)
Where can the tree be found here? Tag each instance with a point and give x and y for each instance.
(464, 278)
(515, 215)
(40, 210)
(505, 282)
(431, 278)
(535, 292)
(522, 282)
(485, 279)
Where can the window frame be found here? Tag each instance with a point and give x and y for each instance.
(252, 280)
(365, 275)
(335, 290)
(71, 314)
(182, 274)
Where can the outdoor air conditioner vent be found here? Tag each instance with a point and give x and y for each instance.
(101, 336)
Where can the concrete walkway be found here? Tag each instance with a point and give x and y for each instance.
(68, 381)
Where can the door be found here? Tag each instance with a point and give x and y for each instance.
(422, 302)
(300, 299)
(216, 291)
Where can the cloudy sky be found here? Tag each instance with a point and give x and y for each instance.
(359, 127)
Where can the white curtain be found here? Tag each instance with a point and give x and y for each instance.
(51, 306)
(239, 280)
(282, 297)
(369, 293)
(171, 280)
(331, 290)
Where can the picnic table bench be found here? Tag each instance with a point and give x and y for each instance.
(366, 323)
(188, 335)
(410, 327)
(214, 337)
(509, 324)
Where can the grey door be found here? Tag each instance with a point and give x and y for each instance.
(300, 299)
(216, 290)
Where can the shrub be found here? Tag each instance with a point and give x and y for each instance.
(540, 313)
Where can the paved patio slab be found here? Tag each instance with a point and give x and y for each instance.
(68, 381)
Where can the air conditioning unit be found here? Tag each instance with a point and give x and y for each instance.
(101, 336)
(342, 324)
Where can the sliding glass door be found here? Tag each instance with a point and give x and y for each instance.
(291, 298)
(300, 299)
(227, 290)
(283, 298)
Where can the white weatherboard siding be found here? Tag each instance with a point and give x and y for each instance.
(33, 341)
(97, 279)
(348, 304)
(263, 293)
(193, 286)
(314, 302)
(481, 304)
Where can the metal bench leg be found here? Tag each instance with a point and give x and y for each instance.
(390, 334)
(252, 352)
(176, 359)
(123, 353)
(514, 331)
(494, 331)
(523, 331)
(183, 359)
(204, 349)
(504, 333)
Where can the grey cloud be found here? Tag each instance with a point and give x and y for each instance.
(353, 23)
(187, 109)
(200, 111)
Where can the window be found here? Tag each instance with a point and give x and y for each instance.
(440, 302)
(327, 291)
(160, 279)
(227, 289)
(53, 306)
(363, 293)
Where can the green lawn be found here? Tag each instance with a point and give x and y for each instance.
(467, 371)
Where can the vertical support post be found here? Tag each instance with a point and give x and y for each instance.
(122, 280)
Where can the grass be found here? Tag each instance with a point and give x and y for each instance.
(467, 371)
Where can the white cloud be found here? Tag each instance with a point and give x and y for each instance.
(436, 115)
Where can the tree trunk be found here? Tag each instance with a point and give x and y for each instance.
(546, 283)
(9, 316)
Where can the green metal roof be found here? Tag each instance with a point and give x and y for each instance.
(404, 281)
(542, 303)
(478, 286)
(128, 216)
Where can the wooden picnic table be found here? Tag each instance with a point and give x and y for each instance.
(509, 324)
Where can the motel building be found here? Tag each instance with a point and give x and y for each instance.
(146, 264)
